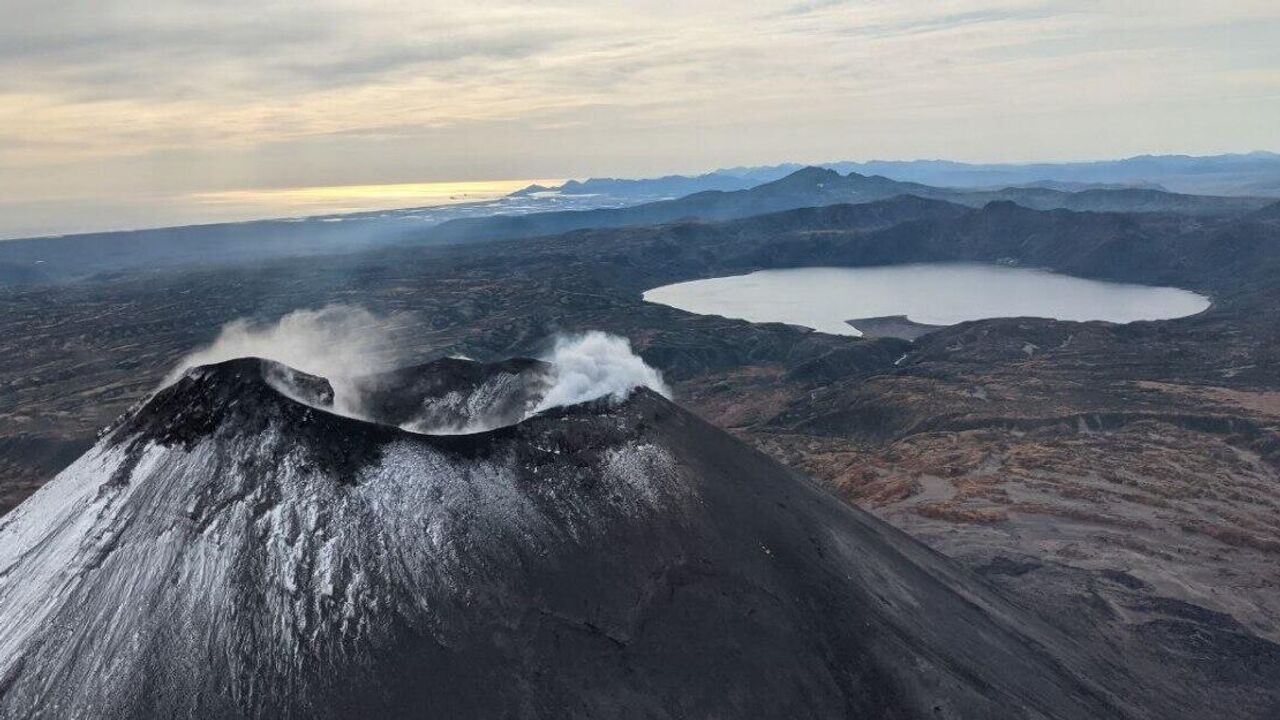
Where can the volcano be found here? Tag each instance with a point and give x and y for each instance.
(232, 549)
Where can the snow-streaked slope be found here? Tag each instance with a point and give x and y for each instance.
(451, 395)
(226, 551)
(272, 566)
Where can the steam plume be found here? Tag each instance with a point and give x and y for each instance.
(595, 365)
(336, 342)
(349, 345)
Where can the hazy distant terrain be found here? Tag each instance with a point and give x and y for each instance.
(1256, 173)
(813, 186)
(1116, 482)
(64, 258)
(536, 210)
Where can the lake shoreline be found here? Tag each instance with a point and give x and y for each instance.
(907, 301)
(892, 326)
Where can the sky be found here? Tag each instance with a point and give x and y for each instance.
(117, 113)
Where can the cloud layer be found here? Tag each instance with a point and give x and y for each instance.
(133, 98)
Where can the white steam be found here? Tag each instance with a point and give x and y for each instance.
(336, 342)
(346, 345)
(595, 365)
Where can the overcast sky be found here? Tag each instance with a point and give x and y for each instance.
(105, 99)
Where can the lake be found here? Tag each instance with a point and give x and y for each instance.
(826, 298)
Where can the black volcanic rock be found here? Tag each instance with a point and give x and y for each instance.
(209, 559)
(453, 394)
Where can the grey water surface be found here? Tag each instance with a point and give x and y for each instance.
(825, 298)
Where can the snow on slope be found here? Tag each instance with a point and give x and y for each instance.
(253, 549)
(227, 551)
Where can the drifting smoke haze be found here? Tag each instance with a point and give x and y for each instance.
(336, 342)
(349, 346)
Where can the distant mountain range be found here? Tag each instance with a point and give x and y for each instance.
(815, 187)
(1256, 173)
(668, 186)
(597, 203)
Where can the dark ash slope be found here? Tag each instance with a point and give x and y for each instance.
(226, 552)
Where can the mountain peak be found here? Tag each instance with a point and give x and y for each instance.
(239, 402)
(1003, 207)
(805, 177)
(190, 408)
(533, 189)
(259, 557)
